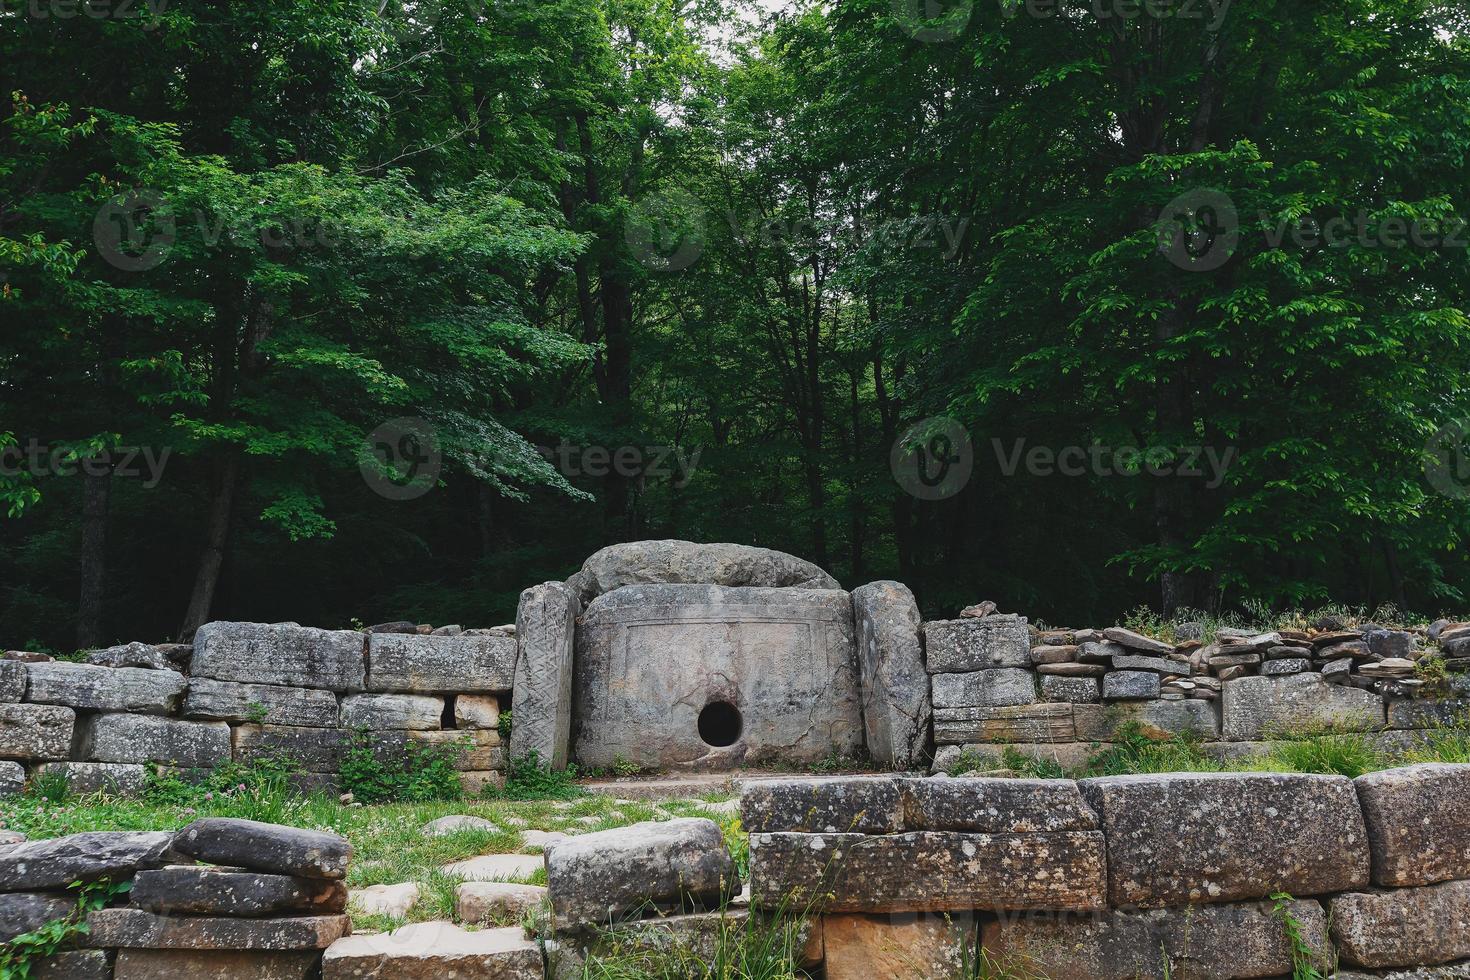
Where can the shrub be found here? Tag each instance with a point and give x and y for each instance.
(530, 779)
(21, 953)
(414, 773)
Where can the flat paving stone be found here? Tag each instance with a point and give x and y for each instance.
(497, 867)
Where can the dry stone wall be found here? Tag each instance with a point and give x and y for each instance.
(251, 691)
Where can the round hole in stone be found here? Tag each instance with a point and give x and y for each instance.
(720, 724)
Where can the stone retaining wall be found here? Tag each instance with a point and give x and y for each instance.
(248, 691)
(1122, 877)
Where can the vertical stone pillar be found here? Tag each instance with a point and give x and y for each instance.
(895, 685)
(546, 623)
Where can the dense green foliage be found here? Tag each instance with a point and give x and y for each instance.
(737, 255)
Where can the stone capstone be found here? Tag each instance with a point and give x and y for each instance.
(1403, 926)
(1267, 707)
(602, 877)
(546, 626)
(36, 731)
(147, 738)
(212, 891)
(1418, 821)
(440, 664)
(265, 847)
(136, 929)
(1240, 836)
(46, 865)
(954, 646)
(895, 683)
(211, 700)
(672, 562)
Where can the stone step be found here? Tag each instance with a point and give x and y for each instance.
(434, 951)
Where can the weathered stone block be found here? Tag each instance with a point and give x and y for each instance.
(477, 712)
(146, 738)
(265, 847)
(440, 664)
(1237, 836)
(772, 673)
(956, 646)
(1017, 723)
(926, 871)
(995, 806)
(1068, 755)
(185, 964)
(1266, 707)
(12, 779)
(249, 894)
(546, 626)
(1447, 713)
(90, 688)
(435, 951)
(1284, 666)
(1217, 941)
(1070, 690)
(909, 945)
(1158, 720)
(471, 751)
(1149, 665)
(1130, 685)
(318, 750)
(1137, 641)
(599, 878)
(684, 562)
(47, 865)
(895, 683)
(86, 778)
(984, 689)
(1418, 821)
(24, 912)
(844, 804)
(81, 964)
(12, 681)
(296, 656)
(496, 902)
(36, 731)
(392, 712)
(1404, 926)
(136, 929)
(212, 700)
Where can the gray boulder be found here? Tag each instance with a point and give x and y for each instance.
(211, 700)
(1418, 821)
(45, 865)
(1268, 707)
(36, 731)
(284, 654)
(953, 646)
(211, 891)
(895, 684)
(146, 738)
(684, 562)
(392, 712)
(603, 877)
(1232, 836)
(91, 688)
(440, 664)
(546, 624)
(266, 847)
(1403, 926)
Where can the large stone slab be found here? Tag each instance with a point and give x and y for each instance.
(997, 688)
(266, 847)
(844, 804)
(86, 778)
(249, 894)
(1017, 723)
(546, 627)
(671, 562)
(24, 912)
(1217, 941)
(435, 951)
(418, 664)
(600, 878)
(392, 712)
(319, 750)
(926, 871)
(1418, 823)
(1157, 720)
(956, 646)
(90, 688)
(36, 731)
(911, 945)
(895, 684)
(136, 929)
(771, 672)
(47, 865)
(211, 700)
(996, 806)
(294, 656)
(146, 738)
(1404, 926)
(1194, 838)
(186, 964)
(1257, 708)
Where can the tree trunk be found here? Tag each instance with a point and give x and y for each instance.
(96, 490)
(216, 539)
